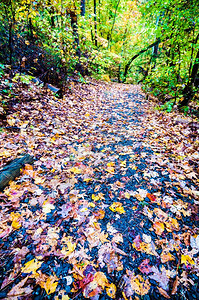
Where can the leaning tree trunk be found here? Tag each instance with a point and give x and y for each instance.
(135, 56)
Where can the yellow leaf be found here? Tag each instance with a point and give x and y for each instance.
(127, 195)
(101, 279)
(16, 224)
(166, 257)
(75, 170)
(186, 259)
(50, 285)
(15, 218)
(117, 207)
(66, 251)
(120, 210)
(111, 290)
(110, 164)
(31, 266)
(123, 164)
(95, 198)
(139, 285)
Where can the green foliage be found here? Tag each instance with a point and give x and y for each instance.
(168, 106)
(185, 110)
(53, 35)
(23, 78)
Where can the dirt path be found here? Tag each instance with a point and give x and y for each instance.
(110, 208)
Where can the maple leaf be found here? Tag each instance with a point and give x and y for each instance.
(101, 279)
(100, 214)
(160, 277)
(158, 227)
(111, 290)
(139, 285)
(166, 257)
(16, 220)
(117, 207)
(75, 170)
(50, 284)
(144, 267)
(172, 224)
(65, 210)
(186, 259)
(31, 266)
(66, 251)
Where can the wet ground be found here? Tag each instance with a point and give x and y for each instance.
(110, 208)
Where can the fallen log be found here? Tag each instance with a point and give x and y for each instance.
(12, 169)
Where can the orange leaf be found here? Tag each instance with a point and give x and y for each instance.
(175, 286)
(158, 227)
(163, 293)
(50, 284)
(151, 197)
(101, 279)
(166, 257)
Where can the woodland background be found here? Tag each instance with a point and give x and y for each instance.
(150, 42)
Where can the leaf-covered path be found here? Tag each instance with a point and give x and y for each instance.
(109, 209)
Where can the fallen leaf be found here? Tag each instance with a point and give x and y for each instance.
(50, 284)
(31, 266)
(163, 292)
(158, 227)
(111, 290)
(175, 286)
(186, 259)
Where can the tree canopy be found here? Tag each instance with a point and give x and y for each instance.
(152, 42)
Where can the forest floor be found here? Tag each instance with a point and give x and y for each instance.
(110, 207)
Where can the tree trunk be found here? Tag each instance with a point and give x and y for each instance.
(10, 43)
(74, 25)
(30, 29)
(83, 7)
(111, 31)
(95, 21)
